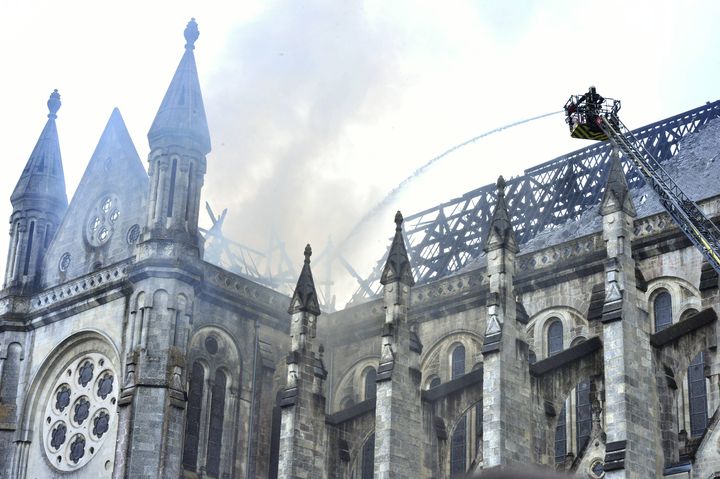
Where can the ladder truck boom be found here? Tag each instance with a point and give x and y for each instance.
(590, 116)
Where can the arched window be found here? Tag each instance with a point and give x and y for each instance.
(560, 438)
(698, 396)
(211, 411)
(583, 414)
(458, 448)
(662, 308)
(458, 361)
(435, 382)
(368, 458)
(192, 421)
(370, 383)
(555, 337)
(217, 418)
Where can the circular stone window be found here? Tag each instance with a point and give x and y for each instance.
(597, 469)
(79, 412)
(101, 220)
(211, 345)
(133, 234)
(64, 262)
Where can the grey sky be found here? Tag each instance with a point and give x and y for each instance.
(318, 108)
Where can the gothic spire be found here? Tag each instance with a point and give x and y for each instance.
(181, 116)
(397, 267)
(616, 196)
(305, 297)
(43, 178)
(501, 233)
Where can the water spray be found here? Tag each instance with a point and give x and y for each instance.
(395, 191)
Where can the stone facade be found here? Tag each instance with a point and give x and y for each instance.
(124, 354)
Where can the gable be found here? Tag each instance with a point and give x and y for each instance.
(107, 212)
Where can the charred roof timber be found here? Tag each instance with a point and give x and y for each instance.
(443, 239)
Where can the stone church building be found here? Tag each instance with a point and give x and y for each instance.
(590, 348)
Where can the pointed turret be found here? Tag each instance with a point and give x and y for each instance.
(43, 177)
(39, 203)
(181, 116)
(617, 196)
(501, 234)
(179, 140)
(305, 298)
(397, 268)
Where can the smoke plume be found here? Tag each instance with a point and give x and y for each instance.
(295, 80)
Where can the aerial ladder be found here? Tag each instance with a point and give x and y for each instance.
(593, 117)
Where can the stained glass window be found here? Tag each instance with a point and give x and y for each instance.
(663, 311)
(368, 458)
(458, 448)
(458, 361)
(192, 422)
(555, 337)
(217, 417)
(370, 384)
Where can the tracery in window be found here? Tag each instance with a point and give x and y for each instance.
(80, 412)
(102, 219)
(212, 408)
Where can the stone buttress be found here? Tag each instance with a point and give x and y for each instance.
(303, 434)
(506, 378)
(399, 435)
(633, 447)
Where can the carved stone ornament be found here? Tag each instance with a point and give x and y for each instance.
(78, 417)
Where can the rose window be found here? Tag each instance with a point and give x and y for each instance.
(102, 219)
(80, 411)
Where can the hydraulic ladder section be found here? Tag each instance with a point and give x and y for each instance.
(591, 116)
(691, 220)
